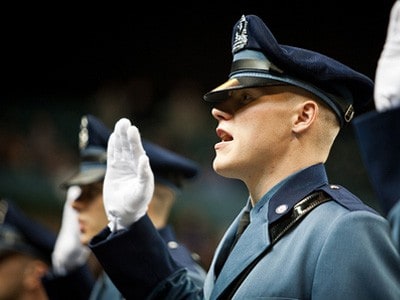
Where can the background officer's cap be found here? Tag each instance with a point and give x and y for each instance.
(21, 234)
(168, 167)
(93, 139)
(258, 60)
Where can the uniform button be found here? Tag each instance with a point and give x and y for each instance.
(172, 245)
(334, 187)
(281, 209)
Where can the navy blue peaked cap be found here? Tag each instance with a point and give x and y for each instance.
(93, 140)
(21, 234)
(259, 60)
(168, 167)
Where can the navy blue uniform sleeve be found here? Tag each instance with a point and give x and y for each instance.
(378, 136)
(139, 263)
(75, 285)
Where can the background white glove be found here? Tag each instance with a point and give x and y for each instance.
(387, 77)
(69, 253)
(129, 181)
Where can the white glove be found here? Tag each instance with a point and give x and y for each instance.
(387, 77)
(129, 181)
(69, 253)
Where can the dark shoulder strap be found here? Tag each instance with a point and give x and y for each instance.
(277, 230)
(299, 211)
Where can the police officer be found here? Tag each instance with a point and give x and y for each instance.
(378, 131)
(84, 214)
(278, 116)
(25, 254)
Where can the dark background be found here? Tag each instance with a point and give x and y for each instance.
(59, 62)
(73, 50)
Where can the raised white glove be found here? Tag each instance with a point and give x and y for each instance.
(129, 181)
(387, 77)
(69, 253)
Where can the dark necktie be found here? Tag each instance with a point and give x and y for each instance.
(243, 223)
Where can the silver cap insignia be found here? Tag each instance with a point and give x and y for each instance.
(241, 36)
(83, 133)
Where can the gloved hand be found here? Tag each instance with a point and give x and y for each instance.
(129, 181)
(69, 253)
(387, 77)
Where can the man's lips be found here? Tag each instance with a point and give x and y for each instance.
(224, 136)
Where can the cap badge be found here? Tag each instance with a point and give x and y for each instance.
(241, 36)
(84, 133)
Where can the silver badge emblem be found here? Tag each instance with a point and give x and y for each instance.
(83, 133)
(241, 36)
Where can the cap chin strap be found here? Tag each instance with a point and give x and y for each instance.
(265, 69)
(349, 114)
(254, 64)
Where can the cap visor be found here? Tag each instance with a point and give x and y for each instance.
(221, 92)
(85, 177)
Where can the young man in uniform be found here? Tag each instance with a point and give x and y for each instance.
(278, 116)
(84, 215)
(378, 131)
(25, 254)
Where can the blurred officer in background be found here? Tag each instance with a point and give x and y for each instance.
(378, 132)
(298, 236)
(25, 254)
(84, 215)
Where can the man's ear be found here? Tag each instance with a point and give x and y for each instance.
(306, 114)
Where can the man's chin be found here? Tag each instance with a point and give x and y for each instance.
(222, 169)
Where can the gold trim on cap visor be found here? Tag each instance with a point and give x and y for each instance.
(231, 83)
